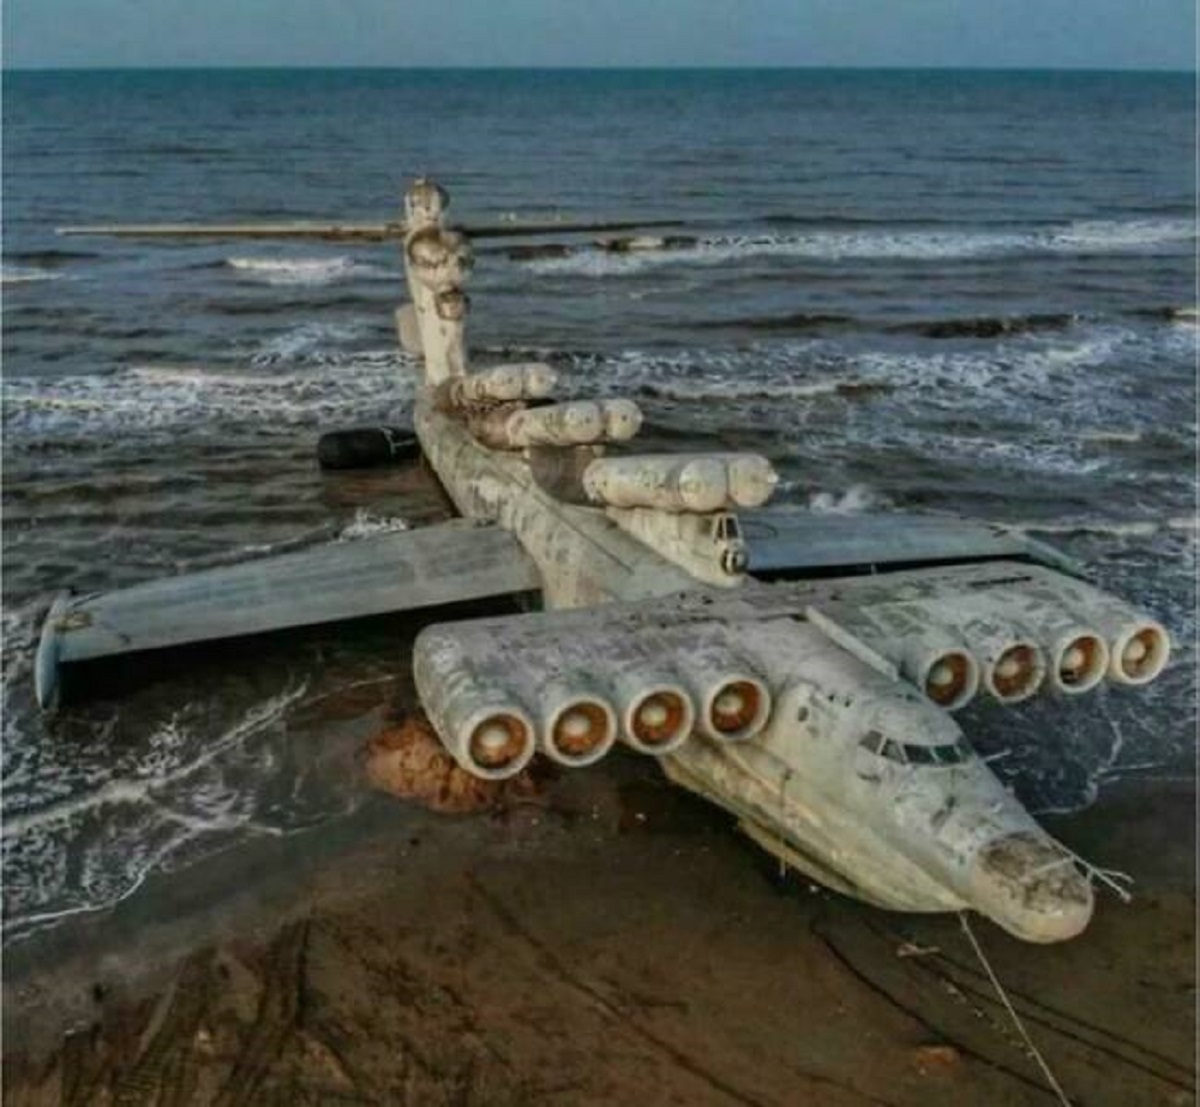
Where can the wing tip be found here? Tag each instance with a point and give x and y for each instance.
(47, 687)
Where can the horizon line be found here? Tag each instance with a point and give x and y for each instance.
(656, 67)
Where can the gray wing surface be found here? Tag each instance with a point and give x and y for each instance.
(423, 568)
(780, 540)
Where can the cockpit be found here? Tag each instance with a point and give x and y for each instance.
(726, 528)
(727, 537)
(904, 753)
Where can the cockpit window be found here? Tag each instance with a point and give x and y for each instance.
(947, 753)
(953, 754)
(725, 528)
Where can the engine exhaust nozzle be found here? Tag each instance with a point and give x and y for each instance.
(737, 710)
(1015, 671)
(579, 728)
(949, 679)
(1139, 653)
(1078, 663)
(500, 744)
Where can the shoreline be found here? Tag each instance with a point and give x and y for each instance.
(614, 941)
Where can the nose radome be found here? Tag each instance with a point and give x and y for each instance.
(1030, 886)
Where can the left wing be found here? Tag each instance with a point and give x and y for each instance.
(421, 568)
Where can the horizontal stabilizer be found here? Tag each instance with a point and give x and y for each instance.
(423, 568)
(346, 232)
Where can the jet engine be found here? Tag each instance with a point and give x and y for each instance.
(1138, 646)
(577, 725)
(480, 722)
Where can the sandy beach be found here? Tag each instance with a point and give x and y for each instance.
(606, 940)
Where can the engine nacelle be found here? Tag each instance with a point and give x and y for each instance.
(941, 665)
(733, 703)
(1013, 664)
(655, 711)
(912, 639)
(1077, 654)
(480, 722)
(577, 725)
(1139, 647)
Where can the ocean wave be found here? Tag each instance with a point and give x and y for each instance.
(693, 392)
(855, 500)
(1110, 528)
(987, 326)
(366, 525)
(26, 274)
(796, 322)
(153, 402)
(304, 271)
(1080, 238)
(122, 829)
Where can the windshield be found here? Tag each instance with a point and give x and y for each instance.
(945, 753)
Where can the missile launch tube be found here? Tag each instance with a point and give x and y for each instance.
(752, 479)
(502, 384)
(571, 424)
(622, 419)
(677, 484)
(680, 483)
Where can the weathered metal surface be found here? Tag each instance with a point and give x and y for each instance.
(391, 572)
(781, 539)
(695, 483)
(528, 380)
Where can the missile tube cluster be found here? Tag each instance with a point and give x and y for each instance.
(494, 714)
(679, 483)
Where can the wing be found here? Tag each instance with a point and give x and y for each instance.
(719, 662)
(404, 571)
(783, 542)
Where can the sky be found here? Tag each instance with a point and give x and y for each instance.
(1101, 34)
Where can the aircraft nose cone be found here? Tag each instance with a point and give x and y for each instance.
(1026, 883)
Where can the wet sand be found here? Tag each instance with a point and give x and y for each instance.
(612, 940)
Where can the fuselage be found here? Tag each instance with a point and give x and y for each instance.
(839, 785)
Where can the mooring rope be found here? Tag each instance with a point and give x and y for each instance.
(1034, 1052)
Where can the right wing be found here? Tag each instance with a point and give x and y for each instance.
(422, 568)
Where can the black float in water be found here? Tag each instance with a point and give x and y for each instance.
(366, 447)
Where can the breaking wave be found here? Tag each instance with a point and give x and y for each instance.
(304, 271)
(156, 402)
(1088, 238)
(367, 525)
(96, 845)
(26, 274)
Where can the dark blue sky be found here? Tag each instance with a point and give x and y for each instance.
(1122, 34)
